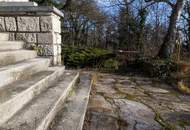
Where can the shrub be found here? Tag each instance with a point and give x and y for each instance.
(157, 67)
(83, 57)
(111, 64)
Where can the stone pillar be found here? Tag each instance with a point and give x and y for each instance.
(39, 27)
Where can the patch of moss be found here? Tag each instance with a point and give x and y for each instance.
(39, 49)
(127, 95)
(100, 93)
(148, 94)
(111, 64)
(183, 88)
(183, 123)
(71, 93)
(165, 125)
(130, 97)
(132, 79)
(95, 77)
(175, 93)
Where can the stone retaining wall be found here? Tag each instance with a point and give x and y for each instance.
(40, 30)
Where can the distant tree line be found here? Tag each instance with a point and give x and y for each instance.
(149, 26)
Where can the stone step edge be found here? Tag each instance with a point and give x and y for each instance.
(10, 71)
(17, 51)
(11, 46)
(10, 42)
(51, 115)
(13, 4)
(81, 97)
(4, 36)
(81, 123)
(31, 92)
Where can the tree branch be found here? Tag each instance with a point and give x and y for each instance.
(165, 1)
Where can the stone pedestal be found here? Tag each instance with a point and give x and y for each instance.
(18, 4)
(37, 26)
(14, 0)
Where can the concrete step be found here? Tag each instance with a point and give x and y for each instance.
(4, 36)
(22, 4)
(11, 57)
(38, 114)
(72, 116)
(14, 72)
(15, 96)
(11, 45)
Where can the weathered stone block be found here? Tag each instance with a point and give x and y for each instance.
(28, 24)
(10, 23)
(46, 50)
(59, 60)
(56, 23)
(50, 23)
(55, 50)
(58, 49)
(11, 36)
(56, 60)
(29, 46)
(2, 24)
(41, 29)
(46, 38)
(27, 37)
(58, 38)
(46, 23)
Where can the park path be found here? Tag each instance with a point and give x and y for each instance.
(136, 103)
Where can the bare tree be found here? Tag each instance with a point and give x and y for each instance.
(185, 26)
(82, 22)
(168, 43)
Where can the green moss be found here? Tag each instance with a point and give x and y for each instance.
(183, 123)
(147, 93)
(127, 95)
(175, 93)
(100, 93)
(130, 97)
(38, 49)
(183, 88)
(165, 125)
(111, 64)
(132, 79)
(71, 93)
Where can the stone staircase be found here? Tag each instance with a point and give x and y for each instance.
(35, 96)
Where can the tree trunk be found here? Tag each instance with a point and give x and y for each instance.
(188, 11)
(67, 5)
(169, 42)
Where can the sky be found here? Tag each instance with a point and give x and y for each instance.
(107, 6)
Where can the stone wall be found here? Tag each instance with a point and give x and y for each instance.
(40, 30)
